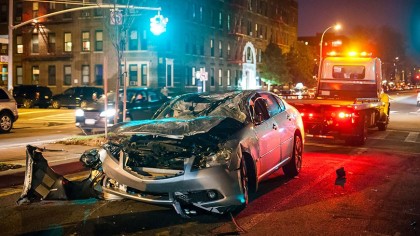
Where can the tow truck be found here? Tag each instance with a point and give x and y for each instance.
(348, 101)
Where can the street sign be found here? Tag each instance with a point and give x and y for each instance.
(115, 17)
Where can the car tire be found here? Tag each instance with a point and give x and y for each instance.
(292, 168)
(27, 103)
(83, 104)
(6, 122)
(56, 104)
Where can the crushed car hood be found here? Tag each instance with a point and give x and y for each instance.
(172, 127)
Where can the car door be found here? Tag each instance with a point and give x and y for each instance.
(266, 130)
(287, 128)
(68, 97)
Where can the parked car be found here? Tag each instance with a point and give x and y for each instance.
(76, 97)
(8, 111)
(29, 96)
(141, 103)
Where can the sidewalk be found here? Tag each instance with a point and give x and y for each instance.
(62, 158)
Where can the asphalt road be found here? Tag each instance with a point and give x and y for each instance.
(378, 196)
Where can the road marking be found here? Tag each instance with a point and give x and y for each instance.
(380, 135)
(412, 137)
(57, 117)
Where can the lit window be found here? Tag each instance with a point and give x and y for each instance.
(99, 43)
(85, 41)
(67, 42)
(220, 77)
(228, 82)
(220, 49)
(212, 47)
(19, 75)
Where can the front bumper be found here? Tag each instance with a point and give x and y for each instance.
(214, 189)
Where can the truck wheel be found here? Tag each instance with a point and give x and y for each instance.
(292, 168)
(360, 138)
(383, 122)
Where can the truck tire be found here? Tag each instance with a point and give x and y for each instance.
(383, 122)
(361, 134)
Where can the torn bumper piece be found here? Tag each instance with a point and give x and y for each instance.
(42, 183)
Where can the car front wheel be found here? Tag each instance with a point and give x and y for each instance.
(55, 104)
(292, 168)
(244, 183)
(6, 123)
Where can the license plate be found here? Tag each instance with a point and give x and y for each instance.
(90, 121)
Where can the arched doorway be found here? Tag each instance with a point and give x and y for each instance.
(249, 68)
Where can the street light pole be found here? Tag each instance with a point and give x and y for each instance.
(336, 27)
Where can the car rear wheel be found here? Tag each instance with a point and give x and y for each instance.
(56, 104)
(6, 122)
(27, 103)
(292, 168)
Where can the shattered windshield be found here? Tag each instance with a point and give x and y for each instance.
(196, 105)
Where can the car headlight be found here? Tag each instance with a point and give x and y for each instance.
(222, 157)
(108, 113)
(80, 112)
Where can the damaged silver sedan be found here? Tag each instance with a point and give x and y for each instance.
(200, 150)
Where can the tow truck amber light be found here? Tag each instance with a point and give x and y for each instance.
(345, 115)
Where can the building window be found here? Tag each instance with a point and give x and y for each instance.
(220, 77)
(99, 74)
(67, 75)
(35, 74)
(220, 49)
(193, 45)
(85, 74)
(133, 75)
(193, 71)
(19, 75)
(228, 50)
(228, 22)
(220, 19)
(144, 41)
(212, 77)
(67, 15)
(193, 11)
(228, 82)
(51, 42)
(4, 49)
(85, 41)
(19, 44)
(3, 11)
(169, 72)
(35, 43)
(133, 40)
(143, 74)
(212, 47)
(52, 80)
(4, 73)
(201, 14)
(35, 8)
(99, 41)
(67, 42)
(18, 12)
(212, 18)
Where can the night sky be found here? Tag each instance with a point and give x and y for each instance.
(402, 15)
